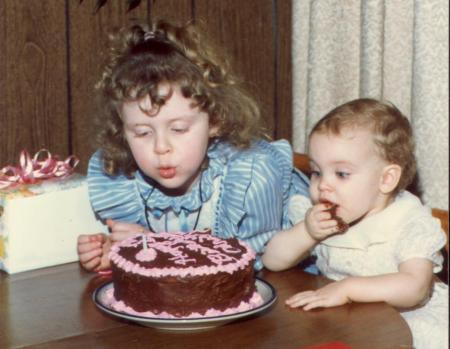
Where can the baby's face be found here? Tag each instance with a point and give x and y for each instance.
(346, 171)
(170, 146)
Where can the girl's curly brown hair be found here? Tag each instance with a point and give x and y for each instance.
(143, 56)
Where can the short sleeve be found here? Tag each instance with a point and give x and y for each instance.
(114, 197)
(255, 196)
(422, 237)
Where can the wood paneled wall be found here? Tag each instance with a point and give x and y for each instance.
(50, 60)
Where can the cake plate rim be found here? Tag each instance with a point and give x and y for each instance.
(264, 288)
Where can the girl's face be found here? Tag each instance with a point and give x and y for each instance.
(347, 171)
(170, 146)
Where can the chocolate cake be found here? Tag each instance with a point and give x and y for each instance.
(182, 275)
(342, 226)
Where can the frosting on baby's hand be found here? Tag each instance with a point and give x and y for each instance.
(342, 226)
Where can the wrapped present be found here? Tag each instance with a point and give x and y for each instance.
(44, 206)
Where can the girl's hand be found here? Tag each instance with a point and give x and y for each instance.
(319, 222)
(93, 251)
(331, 295)
(122, 230)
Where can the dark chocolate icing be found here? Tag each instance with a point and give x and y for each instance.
(341, 225)
(193, 292)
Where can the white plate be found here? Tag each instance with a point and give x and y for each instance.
(265, 289)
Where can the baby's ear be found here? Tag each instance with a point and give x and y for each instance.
(390, 177)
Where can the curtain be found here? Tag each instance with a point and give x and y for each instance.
(392, 50)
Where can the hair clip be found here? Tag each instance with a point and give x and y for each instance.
(149, 35)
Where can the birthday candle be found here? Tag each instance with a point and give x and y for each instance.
(144, 241)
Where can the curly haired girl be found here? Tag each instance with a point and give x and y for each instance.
(182, 146)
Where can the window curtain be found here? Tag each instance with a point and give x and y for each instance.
(392, 50)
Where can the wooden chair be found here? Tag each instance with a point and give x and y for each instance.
(301, 162)
(443, 217)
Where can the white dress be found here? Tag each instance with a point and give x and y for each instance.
(378, 244)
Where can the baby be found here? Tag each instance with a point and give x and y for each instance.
(362, 159)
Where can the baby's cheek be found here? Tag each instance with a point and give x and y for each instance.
(314, 194)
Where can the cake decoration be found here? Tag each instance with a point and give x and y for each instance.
(175, 275)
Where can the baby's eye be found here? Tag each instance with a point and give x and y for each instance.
(342, 174)
(315, 173)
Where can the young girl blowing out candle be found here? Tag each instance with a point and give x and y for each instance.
(182, 147)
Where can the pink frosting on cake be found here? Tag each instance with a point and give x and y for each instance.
(174, 244)
(109, 300)
(146, 255)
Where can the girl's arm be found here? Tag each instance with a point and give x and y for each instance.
(409, 287)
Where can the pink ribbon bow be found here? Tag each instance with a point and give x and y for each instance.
(42, 166)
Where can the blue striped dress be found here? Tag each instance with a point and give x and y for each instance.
(243, 194)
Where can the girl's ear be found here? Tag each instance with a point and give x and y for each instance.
(390, 177)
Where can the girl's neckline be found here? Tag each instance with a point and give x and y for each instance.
(183, 226)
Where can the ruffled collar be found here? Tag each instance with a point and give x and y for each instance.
(380, 227)
(158, 202)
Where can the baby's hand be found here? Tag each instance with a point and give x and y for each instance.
(320, 222)
(331, 295)
(122, 230)
(93, 251)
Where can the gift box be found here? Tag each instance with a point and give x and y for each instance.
(44, 206)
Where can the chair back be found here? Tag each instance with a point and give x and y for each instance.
(301, 162)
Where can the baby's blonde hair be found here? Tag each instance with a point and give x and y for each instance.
(144, 56)
(391, 130)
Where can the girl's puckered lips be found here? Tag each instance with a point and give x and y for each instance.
(167, 172)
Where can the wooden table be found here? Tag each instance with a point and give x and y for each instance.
(53, 308)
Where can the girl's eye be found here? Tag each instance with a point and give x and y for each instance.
(142, 133)
(315, 173)
(180, 129)
(342, 174)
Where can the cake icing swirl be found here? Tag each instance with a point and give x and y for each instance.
(181, 253)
